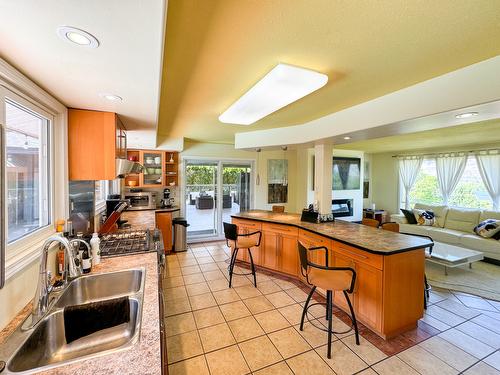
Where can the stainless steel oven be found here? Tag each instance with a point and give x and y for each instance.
(144, 200)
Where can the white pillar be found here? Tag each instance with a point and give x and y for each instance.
(323, 161)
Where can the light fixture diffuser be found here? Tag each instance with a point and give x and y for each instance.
(111, 97)
(283, 85)
(77, 36)
(466, 115)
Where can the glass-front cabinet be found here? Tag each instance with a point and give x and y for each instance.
(154, 165)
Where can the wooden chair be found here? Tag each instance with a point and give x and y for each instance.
(340, 279)
(279, 209)
(393, 227)
(237, 241)
(370, 222)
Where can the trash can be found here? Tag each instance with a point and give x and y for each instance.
(180, 224)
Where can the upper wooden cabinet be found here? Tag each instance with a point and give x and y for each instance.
(161, 168)
(95, 140)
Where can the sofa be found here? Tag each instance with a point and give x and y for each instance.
(455, 226)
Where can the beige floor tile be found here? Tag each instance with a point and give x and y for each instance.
(317, 311)
(267, 287)
(208, 317)
(234, 310)
(280, 299)
(181, 323)
(493, 360)
(174, 281)
(476, 302)
(280, 368)
(174, 293)
(292, 313)
(197, 365)
(183, 346)
(284, 284)
(467, 343)
(239, 281)
(195, 289)
(218, 284)
(458, 309)
(173, 272)
(201, 253)
(337, 326)
(488, 322)
(480, 333)
(186, 262)
(309, 363)
(178, 306)
(247, 291)
(189, 270)
(365, 350)
(207, 267)
(424, 362)
(205, 260)
(216, 337)
(297, 294)
(289, 342)
(245, 328)
(195, 278)
(449, 353)
(261, 277)
(219, 257)
(343, 360)
(271, 321)
(226, 296)
(314, 336)
(227, 361)
(202, 301)
(394, 366)
(213, 275)
(258, 304)
(444, 315)
(482, 368)
(259, 352)
(435, 323)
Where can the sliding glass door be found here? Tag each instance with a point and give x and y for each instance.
(213, 190)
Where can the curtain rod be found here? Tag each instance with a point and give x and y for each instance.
(449, 152)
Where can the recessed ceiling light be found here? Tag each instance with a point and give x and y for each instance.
(283, 85)
(467, 114)
(347, 138)
(111, 97)
(77, 36)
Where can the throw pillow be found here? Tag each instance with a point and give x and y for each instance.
(424, 217)
(488, 228)
(409, 216)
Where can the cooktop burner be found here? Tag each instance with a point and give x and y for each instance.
(126, 242)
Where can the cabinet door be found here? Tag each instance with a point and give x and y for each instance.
(288, 255)
(154, 165)
(164, 224)
(339, 298)
(270, 242)
(368, 295)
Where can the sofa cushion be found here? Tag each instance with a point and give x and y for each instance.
(462, 219)
(410, 217)
(486, 245)
(424, 217)
(487, 214)
(414, 229)
(440, 212)
(445, 235)
(488, 228)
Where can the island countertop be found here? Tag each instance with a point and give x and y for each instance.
(373, 240)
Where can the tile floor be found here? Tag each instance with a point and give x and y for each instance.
(212, 329)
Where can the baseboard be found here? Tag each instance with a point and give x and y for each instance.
(496, 262)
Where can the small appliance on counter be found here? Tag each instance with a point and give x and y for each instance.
(130, 242)
(141, 200)
(310, 215)
(166, 202)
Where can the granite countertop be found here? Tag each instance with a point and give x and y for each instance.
(373, 240)
(142, 358)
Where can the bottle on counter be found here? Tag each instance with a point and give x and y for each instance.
(95, 244)
(60, 261)
(86, 261)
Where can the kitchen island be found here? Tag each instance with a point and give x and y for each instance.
(389, 292)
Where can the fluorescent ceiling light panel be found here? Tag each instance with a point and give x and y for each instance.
(283, 85)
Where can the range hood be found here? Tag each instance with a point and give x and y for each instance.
(125, 167)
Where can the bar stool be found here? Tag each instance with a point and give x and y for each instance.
(278, 209)
(393, 227)
(370, 222)
(331, 279)
(237, 241)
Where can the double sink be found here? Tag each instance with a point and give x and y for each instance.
(44, 346)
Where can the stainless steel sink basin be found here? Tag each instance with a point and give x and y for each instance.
(47, 344)
(91, 288)
(44, 346)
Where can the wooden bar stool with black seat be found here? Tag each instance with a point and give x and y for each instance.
(340, 279)
(237, 241)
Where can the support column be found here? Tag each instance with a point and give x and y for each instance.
(323, 162)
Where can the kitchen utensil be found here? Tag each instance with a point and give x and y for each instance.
(149, 160)
(158, 170)
(157, 160)
(151, 170)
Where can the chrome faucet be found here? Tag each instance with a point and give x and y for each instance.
(44, 287)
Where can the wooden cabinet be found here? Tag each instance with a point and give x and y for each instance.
(164, 224)
(279, 248)
(269, 249)
(95, 140)
(368, 296)
(161, 168)
(245, 227)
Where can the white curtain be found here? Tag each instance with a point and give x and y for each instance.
(489, 168)
(408, 172)
(450, 169)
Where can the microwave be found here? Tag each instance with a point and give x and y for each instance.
(144, 200)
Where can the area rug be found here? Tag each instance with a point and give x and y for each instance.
(482, 280)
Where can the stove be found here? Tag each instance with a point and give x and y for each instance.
(127, 242)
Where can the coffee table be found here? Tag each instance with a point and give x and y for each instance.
(453, 256)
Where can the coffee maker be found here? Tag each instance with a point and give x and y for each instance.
(166, 202)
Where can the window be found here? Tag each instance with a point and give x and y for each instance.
(27, 170)
(101, 191)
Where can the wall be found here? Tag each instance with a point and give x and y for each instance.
(384, 182)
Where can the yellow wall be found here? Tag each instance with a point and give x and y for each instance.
(384, 182)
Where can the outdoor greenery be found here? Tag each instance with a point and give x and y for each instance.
(206, 175)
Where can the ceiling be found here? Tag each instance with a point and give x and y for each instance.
(216, 50)
(127, 62)
(480, 134)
